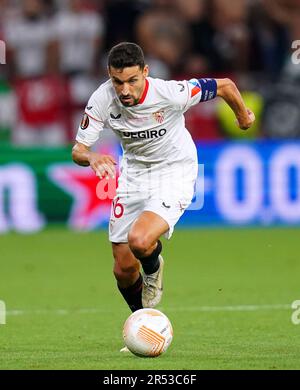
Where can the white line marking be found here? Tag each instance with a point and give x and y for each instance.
(234, 308)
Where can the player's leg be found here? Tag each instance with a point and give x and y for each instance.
(143, 240)
(127, 274)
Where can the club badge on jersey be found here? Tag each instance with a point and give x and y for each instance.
(159, 116)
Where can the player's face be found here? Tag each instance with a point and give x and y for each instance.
(129, 83)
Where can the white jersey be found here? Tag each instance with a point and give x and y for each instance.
(152, 131)
(159, 166)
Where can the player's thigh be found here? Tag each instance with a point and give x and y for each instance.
(124, 259)
(147, 229)
(124, 211)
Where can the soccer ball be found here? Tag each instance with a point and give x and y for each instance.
(147, 333)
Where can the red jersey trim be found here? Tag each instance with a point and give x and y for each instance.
(143, 97)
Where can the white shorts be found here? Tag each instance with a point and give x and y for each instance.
(168, 198)
(125, 211)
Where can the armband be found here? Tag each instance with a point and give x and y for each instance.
(209, 89)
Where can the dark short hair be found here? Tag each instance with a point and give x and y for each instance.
(125, 55)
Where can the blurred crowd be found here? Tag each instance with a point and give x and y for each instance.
(56, 57)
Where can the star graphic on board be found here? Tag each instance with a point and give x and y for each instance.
(92, 197)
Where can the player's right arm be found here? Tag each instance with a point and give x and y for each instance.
(88, 134)
(101, 165)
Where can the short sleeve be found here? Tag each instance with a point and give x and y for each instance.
(185, 94)
(91, 125)
(176, 92)
(201, 90)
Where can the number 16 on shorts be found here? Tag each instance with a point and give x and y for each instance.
(118, 208)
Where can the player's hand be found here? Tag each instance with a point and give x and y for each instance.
(247, 121)
(103, 166)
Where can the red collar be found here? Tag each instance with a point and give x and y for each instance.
(143, 97)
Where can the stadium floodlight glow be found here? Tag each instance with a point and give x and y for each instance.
(2, 313)
(2, 53)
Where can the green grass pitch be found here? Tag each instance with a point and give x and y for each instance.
(228, 294)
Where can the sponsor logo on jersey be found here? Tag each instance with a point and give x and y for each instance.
(159, 116)
(196, 87)
(116, 117)
(85, 122)
(146, 134)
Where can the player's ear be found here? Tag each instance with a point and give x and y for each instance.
(146, 71)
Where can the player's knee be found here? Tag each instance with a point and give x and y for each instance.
(138, 244)
(124, 272)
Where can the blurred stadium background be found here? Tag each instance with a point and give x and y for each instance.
(56, 57)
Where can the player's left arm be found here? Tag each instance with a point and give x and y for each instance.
(227, 90)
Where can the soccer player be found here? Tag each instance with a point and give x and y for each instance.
(159, 165)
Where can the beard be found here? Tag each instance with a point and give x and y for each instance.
(128, 101)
